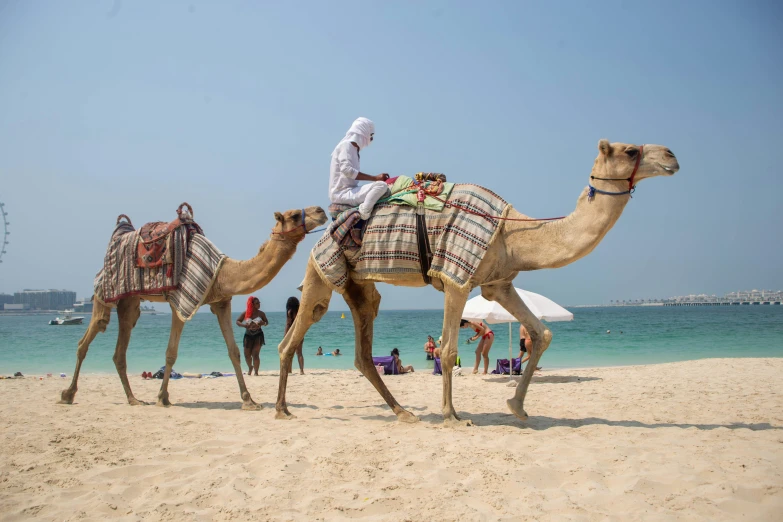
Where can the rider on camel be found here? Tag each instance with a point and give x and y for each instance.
(344, 174)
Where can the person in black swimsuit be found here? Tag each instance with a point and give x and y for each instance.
(291, 310)
(252, 319)
(525, 344)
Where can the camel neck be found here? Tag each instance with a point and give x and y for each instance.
(552, 244)
(245, 277)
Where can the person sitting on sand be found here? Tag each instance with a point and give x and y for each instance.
(320, 351)
(400, 368)
(336, 352)
(252, 319)
(429, 347)
(291, 309)
(486, 335)
(525, 344)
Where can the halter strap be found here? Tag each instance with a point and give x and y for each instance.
(285, 233)
(631, 186)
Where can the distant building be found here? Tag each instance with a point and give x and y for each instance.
(6, 299)
(9, 306)
(85, 305)
(46, 299)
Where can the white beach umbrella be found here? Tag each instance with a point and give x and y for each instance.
(491, 312)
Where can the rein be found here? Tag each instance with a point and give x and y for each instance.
(285, 233)
(590, 194)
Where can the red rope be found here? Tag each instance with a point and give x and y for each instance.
(482, 214)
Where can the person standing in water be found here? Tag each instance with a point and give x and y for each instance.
(252, 319)
(291, 309)
(429, 348)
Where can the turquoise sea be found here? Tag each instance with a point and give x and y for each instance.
(649, 335)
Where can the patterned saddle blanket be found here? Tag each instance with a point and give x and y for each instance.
(389, 250)
(183, 270)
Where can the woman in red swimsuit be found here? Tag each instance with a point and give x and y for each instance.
(487, 337)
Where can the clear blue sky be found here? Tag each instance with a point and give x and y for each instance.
(110, 107)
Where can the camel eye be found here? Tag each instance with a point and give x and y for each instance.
(632, 152)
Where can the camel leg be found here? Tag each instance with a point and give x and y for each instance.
(507, 297)
(177, 325)
(364, 301)
(128, 313)
(101, 314)
(223, 312)
(452, 313)
(314, 304)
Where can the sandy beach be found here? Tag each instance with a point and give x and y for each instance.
(700, 440)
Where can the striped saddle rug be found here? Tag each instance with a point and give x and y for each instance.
(389, 250)
(184, 282)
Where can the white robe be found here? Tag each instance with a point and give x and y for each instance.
(343, 186)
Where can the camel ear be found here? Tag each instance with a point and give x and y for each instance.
(605, 147)
(279, 217)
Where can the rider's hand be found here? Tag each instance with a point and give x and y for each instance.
(382, 177)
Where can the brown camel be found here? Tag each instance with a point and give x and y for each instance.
(234, 278)
(518, 246)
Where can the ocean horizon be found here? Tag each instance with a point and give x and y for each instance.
(639, 335)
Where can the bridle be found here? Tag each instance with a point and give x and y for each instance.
(631, 186)
(286, 233)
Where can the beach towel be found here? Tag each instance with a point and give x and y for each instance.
(184, 283)
(502, 367)
(160, 373)
(389, 367)
(389, 252)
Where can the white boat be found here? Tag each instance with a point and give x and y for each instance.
(148, 310)
(67, 318)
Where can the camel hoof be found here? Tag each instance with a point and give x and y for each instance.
(136, 402)
(284, 415)
(407, 417)
(251, 406)
(516, 409)
(66, 397)
(452, 422)
(163, 403)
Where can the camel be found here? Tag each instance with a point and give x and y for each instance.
(234, 278)
(519, 246)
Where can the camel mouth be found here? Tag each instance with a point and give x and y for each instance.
(669, 170)
(319, 218)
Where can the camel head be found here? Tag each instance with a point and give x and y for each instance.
(290, 225)
(618, 160)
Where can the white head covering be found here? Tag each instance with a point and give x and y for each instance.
(360, 133)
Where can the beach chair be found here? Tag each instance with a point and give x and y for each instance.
(501, 366)
(389, 367)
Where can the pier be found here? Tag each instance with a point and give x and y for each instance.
(720, 303)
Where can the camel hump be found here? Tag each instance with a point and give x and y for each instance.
(120, 218)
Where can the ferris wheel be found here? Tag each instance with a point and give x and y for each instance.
(4, 239)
